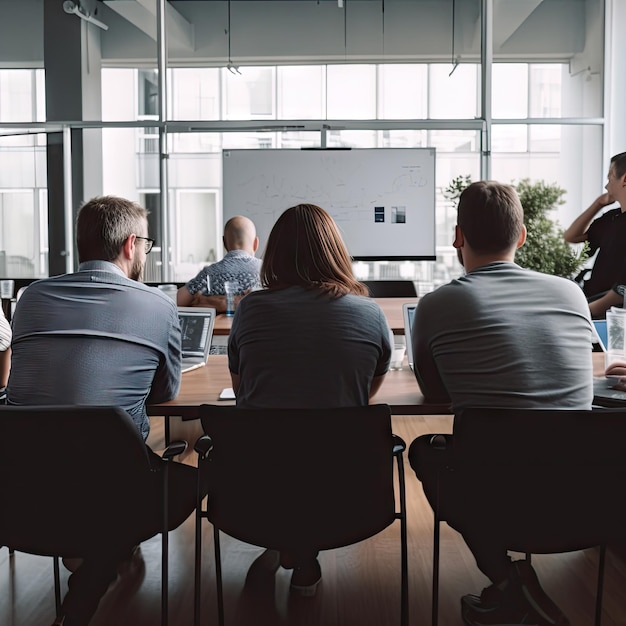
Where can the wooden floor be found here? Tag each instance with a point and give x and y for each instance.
(360, 584)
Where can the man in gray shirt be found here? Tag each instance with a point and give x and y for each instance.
(100, 337)
(496, 338)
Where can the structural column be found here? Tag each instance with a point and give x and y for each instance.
(73, 95)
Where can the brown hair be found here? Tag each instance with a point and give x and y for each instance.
(619, 164)
(490, 216)
(104, 224)
(305, 248)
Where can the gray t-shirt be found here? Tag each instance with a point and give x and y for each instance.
(504, 336)
(95, 337)
(298, 348)
(237, 265)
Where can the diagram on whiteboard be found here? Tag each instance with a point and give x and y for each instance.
(383, 200)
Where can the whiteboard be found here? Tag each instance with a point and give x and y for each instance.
(382, 199)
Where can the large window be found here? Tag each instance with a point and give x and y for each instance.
(303, 75)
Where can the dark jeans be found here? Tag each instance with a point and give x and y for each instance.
(91, 580)
(457, 507)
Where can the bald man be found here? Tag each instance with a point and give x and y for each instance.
(239, 264)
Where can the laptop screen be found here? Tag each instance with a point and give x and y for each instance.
(196, 326)
(408, 311)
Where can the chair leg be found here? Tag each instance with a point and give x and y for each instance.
(404, 568)
(57, 585)
(198, 565)
(166, 429)
(165, 548)
(435, 598)
(599, 591)
(218, 576)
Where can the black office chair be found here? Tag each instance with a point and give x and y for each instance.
(72, 477)
(391, 288)
(291, 477)
(553, 480)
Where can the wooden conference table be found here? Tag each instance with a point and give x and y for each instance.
(399, 389)
(392, 308)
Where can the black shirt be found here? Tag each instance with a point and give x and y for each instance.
(607, 234)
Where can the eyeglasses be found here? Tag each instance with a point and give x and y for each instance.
(149, 243)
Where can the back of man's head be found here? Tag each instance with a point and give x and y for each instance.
(240, 234)
(491, 216)
(619, 164)
(104, 224)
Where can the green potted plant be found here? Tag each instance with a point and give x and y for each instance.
(545, 249)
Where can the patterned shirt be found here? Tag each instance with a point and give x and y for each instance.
(237, 265)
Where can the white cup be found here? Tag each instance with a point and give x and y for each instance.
(397, 357)
(616, 337)
(7, 287)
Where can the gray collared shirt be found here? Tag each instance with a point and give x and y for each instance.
(95, 337)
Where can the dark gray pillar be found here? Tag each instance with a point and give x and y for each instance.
(72, 95)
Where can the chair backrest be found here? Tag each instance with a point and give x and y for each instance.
(283, 478)
(391, 288)
(68, 474)
(554, 477)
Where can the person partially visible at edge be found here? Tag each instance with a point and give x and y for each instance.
(5, 352)
(239, 265)
(506, 337)
(100, 337)
(313, 327)
(606, 235)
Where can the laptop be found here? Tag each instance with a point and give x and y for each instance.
(196, 326)
(408, 312)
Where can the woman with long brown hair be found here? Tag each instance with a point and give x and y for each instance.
(310, 339)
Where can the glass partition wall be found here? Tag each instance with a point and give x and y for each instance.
(510, 96)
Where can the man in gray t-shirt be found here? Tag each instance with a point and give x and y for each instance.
(500, 336)
(98, 336)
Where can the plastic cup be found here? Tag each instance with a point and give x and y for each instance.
(7, 287)
(397, 357)
(231, 289)
(616, 347)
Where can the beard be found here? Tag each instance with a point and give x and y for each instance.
(136, 270)
(460, 256)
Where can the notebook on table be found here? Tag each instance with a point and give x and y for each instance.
(408, 312)
(196, 326)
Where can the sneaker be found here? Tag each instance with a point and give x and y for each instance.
(524, 577)
(476, 612)
(306, 577)
(520, 600)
